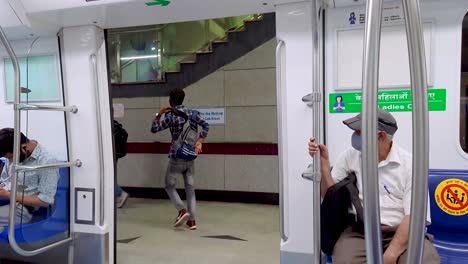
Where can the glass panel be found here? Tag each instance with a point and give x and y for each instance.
(43, 212)
(144, 54)
(464, 88)
(39, 74)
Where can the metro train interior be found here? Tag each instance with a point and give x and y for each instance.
(266, 75)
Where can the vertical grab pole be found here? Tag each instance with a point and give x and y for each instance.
(316, 118)
(17, 132)
(417, 59)
(370, 84)
(314, 100)
(279, 83)
(102, 211)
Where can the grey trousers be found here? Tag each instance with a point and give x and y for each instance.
(351, 248)
(175, 169)
(21, 215)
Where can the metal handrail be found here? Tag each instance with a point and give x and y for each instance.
(16, 157)
(370, 79)
(97, 96)
(316, 118)
(280, 46)
(314, 100)
(72, 109)
(417, 59)
(76, 163)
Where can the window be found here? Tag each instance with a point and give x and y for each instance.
(464, 88)
(39, 74)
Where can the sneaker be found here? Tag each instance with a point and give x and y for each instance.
(181, 218)
(122, 199)
(191, 224)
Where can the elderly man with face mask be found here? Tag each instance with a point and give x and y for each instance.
(395, 181)
(36, 189)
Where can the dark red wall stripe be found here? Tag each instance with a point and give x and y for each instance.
(260, 149)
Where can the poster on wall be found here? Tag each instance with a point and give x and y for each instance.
(119, 110)
(213, 115)
(390, 13)
(391, 101)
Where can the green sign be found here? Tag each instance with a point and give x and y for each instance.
(158, 2)
(392, 101)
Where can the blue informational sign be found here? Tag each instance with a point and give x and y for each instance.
(213, 115)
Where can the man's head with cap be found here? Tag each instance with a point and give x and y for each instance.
(386, 125)
(385, 122)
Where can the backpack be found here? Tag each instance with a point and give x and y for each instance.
(184, 145)
(120, 139)
(334, 212)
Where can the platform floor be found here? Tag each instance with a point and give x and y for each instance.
(227, 233)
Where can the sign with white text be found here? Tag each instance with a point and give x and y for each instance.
(213, 115)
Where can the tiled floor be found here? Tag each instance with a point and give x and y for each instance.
(150, 222)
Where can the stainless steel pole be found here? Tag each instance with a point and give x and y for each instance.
(316, 118)
(369, 132)
(279, 82)
(417, 59)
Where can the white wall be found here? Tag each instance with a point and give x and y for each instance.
(53, 139)
(445, 149)
(294, 27)
(91, 96)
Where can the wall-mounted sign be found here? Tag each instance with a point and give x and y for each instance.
(391, 101)
(213, 115)
(451, 196)
(390, 14)
(119, 110)
(158, 2)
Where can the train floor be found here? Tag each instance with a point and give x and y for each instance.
(227, 233)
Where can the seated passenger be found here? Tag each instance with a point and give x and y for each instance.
(395, 181)
(36, 189)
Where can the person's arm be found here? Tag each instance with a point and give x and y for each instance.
(203, 134)
(30, 200)
(328, 177)
(325, 168)
(399, 242)
(160, 125)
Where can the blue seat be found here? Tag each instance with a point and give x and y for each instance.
(55, 224)
(450, 232)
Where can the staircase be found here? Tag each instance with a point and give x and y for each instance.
(235, 44)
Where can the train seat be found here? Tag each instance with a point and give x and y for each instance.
(450, 231)
(54, 225)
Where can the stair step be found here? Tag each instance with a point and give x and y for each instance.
(139, 83)
(204, 52)
(219, 41)
(237, 30)
(188, 62)
(223, 51)
(253, 20)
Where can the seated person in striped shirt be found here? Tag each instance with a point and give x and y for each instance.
(36, 189)
(180, 167)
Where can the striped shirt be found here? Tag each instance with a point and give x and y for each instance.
(176, 125)
(42, 183)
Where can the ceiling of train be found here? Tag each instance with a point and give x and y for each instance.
(46, 17)
(30, 18)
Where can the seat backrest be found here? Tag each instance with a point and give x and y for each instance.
(448, 194)
(62, 197)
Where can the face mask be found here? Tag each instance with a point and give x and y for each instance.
(356, 141)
